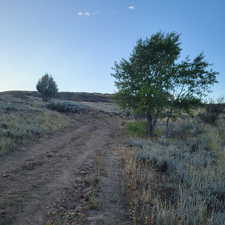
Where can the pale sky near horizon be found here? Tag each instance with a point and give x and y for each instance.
(77, 41)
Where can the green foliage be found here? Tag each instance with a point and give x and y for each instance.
(47, 87)
(152, 80)
(142, 79)
(67, 106)
(137, 128)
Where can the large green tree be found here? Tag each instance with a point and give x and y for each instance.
(154, 79)
(47, 87)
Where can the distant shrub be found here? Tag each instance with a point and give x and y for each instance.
(47, 87)
(67, 106)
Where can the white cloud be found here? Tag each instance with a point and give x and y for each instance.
(86, 13)
(131, 7)
(80, 13)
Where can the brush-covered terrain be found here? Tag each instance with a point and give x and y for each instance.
(179, 179)
(84, 162)
(24, 117)
(53, 158)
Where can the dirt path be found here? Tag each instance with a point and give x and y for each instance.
(111, 197)
(46, 176)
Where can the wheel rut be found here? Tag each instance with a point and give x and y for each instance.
(32, 183)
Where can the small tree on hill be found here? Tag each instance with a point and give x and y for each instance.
(152, 80)
(47, 87)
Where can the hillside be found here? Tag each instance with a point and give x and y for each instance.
(83, 163)
(72, 96)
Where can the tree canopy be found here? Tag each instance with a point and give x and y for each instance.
(154, 78)
(47, 87)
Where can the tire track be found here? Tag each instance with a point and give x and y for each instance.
(32, 183)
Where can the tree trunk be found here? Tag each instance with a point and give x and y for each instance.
(167, 126)
(151, 122)
(45, 98)
(168, 122)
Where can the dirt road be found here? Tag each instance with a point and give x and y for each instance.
(39, 179)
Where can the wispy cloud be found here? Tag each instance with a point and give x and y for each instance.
(131, 7)
(86, 13)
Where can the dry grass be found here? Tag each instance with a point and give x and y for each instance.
(108, 107)
(23, 120)
(177, 180)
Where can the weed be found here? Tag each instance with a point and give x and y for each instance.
(93, 202)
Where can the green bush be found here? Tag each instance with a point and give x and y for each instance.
(47, 87)
(137, 128)
(67, 106)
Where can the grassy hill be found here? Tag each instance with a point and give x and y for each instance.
(72, 96)
(24, 117)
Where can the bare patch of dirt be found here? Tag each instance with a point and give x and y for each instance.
(57, 181)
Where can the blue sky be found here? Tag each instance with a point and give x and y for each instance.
(77, 41)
